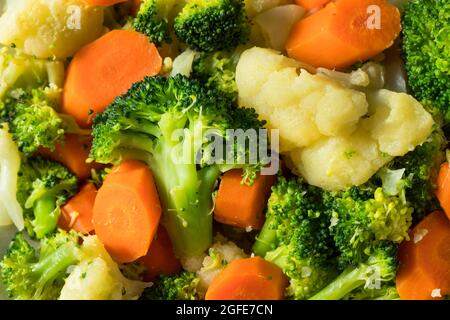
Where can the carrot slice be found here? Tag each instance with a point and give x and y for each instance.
(311, 4)
(105, 69)
(73, 153)
(443, 188)
(424, 271)
(344, 32)
(241, 205)
(127, 211)
(160, 258)
(76, 214)
(248, 279)
(103, 3)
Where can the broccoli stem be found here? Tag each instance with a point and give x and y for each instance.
(46, 215)
(185, 191)
(350, 279)
(266, 240)
(58, 261)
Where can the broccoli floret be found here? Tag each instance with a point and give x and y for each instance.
(155, 19)
(426, 46)
(39, 274)
(44, 274)
(213, 25)
(296, 237)
(218, 70)
(359, 222)
(43, 186)
(174, 287)
(164, 122)
(33, 121)
(421, 169)
(376, 272)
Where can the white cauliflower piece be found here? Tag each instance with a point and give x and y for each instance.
(399, 122)
(337, 163)
(10, 209)
(333, 134)
(50, 28)
(98, 277)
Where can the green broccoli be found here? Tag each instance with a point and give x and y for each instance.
(155, 19)
(421, 169)
(218, 70)
(426, 47)
(43, 186)
(34, 122)
(164, 122)
(296, 237)
(378, 271)
(213, 25)
(174, 287)
(361, 218)
(29, 274)
(44, 273)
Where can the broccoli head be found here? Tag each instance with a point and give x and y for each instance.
(32, 120)
(362, 218)
(426, 46)
(213, 25)
(174, 287)
(43, 186)
(30, 274)
(155, 19)
(421, 167)
(165, 122)
(372, 275)
(296, 237)
(218, 70)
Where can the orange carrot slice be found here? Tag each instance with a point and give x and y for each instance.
(105, 69)
(344, 32)
(127, 211)
(241, 205)
(160, 258)
(248, 279)
(77, 213)
(424, 271)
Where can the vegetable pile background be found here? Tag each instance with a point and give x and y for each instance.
(112, 185)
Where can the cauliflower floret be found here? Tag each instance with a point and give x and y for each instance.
(399, 122)
(250, 77)
(221, 253)
(98, 277)
(337, 163)
(10, 209)
(50, 28)
(332, 133)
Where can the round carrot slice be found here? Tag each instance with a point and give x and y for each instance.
(127, 211)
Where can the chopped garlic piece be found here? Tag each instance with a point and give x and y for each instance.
(420, 234)
(436, 293)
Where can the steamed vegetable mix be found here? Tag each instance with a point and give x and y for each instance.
(225, 149)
